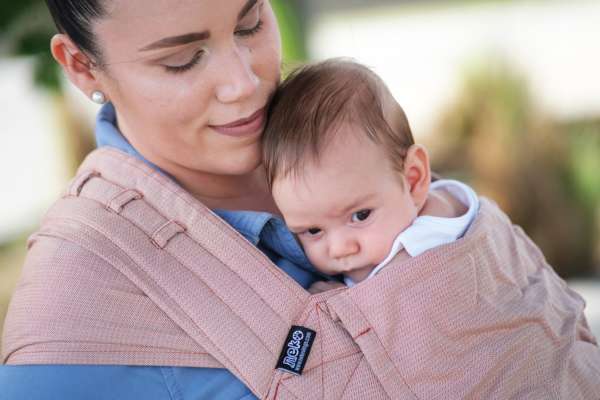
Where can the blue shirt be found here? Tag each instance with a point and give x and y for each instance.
(50, 382)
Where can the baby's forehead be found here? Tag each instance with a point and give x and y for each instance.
(350, 154)
(303, 198)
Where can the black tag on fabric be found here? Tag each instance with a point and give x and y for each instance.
(296, 350)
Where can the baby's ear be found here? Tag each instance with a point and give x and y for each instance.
(417, 174)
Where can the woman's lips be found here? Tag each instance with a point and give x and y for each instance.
(244, 126)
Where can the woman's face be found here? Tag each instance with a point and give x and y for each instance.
(190, 79)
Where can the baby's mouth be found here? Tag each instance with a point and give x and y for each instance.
(346, 269)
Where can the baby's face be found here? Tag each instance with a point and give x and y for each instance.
(347, 209)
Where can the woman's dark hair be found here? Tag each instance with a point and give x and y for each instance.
(75, 18)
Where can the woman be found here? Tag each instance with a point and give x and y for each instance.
(187, 84)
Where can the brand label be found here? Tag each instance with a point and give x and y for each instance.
(296, 350)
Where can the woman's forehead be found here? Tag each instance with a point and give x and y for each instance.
(166, 17)
(167, 8)
(132, 25)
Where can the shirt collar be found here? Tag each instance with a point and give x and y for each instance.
(428, 231)
(248, 223)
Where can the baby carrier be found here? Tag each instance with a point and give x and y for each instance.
(128, 268)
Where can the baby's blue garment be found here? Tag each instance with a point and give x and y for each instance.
(59, 382)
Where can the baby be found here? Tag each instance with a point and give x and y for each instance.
(348, 178)
(485, 317)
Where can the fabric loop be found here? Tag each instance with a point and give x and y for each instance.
(117, 203)
(165, 233)
(80, 181)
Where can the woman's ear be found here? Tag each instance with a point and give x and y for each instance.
(417, 174)
(76, 65)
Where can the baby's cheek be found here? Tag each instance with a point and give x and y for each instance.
(379, 248)
(317, 255)
(312, 253)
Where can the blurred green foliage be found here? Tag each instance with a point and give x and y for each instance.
(585, 156)
(26, 27)
(292, 32)
(543, 173)
(10, 10)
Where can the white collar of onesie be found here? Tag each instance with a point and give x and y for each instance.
(427, 232)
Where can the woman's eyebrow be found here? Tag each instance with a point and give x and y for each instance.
(194, 36)
(246, 9)
(177, 40)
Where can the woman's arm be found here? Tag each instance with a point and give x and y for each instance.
(50, 382)
(55, 294)
(58, 382)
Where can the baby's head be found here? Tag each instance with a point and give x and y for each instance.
(342, 165)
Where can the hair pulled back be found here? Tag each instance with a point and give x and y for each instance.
(74, 18)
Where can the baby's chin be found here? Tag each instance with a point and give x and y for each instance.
(356, 273)
(359, 274)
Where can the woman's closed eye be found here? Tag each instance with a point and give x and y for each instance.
(252, 23)
(250, 31)
(187, 65)
(254, 28)
(361, 216)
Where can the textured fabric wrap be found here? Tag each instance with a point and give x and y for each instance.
(127, 268)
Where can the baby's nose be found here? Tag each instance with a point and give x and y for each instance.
(341, 247)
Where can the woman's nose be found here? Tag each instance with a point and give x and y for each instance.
(342, 246)
(238, 80)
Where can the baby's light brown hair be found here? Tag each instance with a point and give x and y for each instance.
(311, 105)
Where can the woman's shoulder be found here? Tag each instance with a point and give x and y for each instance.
(65, 293)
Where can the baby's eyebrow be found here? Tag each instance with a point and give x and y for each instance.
(354, 204)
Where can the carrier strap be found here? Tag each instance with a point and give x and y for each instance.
(211, 282)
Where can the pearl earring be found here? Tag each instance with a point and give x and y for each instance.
(98, 97)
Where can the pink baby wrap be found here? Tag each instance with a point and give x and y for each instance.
(129, 269)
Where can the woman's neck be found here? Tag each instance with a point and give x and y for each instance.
(228, 192)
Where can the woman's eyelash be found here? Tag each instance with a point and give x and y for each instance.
(251, 31)
(182, 68)
(198, 55)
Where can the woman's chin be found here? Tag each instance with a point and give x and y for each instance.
(244, 164)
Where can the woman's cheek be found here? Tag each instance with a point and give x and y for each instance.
(267, 55)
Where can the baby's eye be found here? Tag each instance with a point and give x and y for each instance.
(361, 215)
(313, 231)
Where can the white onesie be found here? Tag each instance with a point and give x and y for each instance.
(427, 232)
